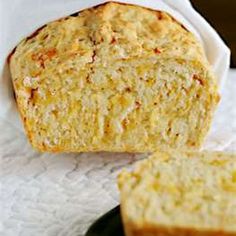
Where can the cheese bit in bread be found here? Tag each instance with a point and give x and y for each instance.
(113, 78)
(180, 193)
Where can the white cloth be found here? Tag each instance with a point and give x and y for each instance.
(19, 18)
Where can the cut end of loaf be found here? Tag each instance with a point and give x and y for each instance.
(113, 78)
(180, 193)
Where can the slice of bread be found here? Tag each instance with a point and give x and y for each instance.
(113, 78)
(180, 193)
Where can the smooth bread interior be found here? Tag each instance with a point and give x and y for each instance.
(182, 191)
(113, 78)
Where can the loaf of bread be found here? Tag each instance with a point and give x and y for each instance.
(180, 193)
(115, 77)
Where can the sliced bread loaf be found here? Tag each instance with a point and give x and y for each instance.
(113, 78)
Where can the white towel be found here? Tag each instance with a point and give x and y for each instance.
(19, 18)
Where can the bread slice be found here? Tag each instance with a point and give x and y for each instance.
(180, 193)
(113, 78)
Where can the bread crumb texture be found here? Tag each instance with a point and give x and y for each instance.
(113, 78)
(180, 193)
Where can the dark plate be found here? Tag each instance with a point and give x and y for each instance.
(108, 225)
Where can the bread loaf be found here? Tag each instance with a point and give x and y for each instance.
(113, 78)
(180, 193)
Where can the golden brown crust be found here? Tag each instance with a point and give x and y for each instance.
(136, 74)
(164, 231)
(154, 230)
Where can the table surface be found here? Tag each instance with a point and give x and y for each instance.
(61, 195)
(221, 15)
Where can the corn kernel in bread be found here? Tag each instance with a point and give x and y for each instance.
(180, 193)
(113, 78)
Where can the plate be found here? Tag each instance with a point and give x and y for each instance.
(109, 224)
